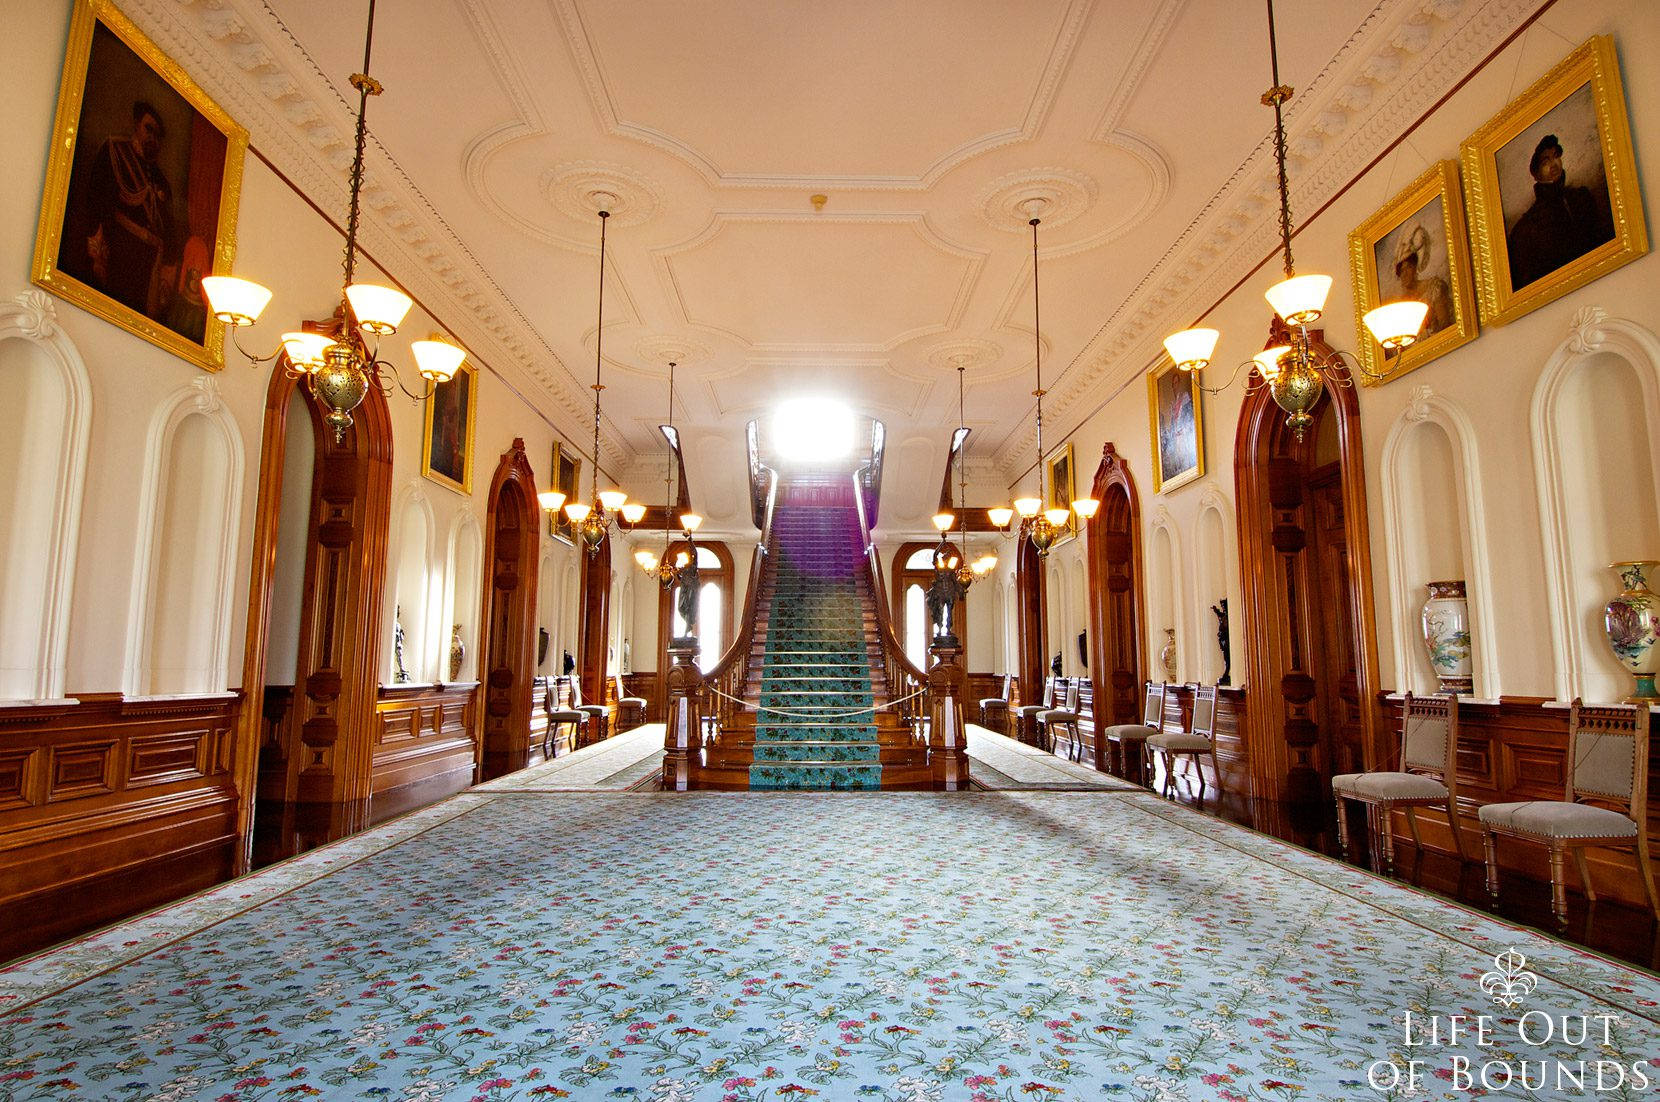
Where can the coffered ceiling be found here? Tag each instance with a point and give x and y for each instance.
(933, 127)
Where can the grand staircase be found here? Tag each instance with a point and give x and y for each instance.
(815, 670)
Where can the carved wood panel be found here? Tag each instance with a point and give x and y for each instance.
(512, 543)
(1115, 598)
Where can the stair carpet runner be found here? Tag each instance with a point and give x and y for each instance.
(815, 659)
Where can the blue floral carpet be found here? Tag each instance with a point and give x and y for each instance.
(738, 947)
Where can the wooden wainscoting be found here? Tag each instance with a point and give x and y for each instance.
(1516, 749)
(424, 746)
(109, 807)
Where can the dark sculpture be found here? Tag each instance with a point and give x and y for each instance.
(686, 599)
(567, 664)
(943, 594)
(1055, 666)
(1221, 611)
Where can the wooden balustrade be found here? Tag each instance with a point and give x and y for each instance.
(905, 683)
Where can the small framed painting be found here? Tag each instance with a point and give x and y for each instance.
(447, 440)
(1415, 248)
(141, 189)
(1177, 425)
(567, 472)
(1059, 487)
(1552, 187)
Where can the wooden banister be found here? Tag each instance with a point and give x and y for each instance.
(903, 677)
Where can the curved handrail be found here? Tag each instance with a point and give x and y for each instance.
(904, 678)
(729, 671)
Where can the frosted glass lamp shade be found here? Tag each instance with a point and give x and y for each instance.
(1396, 324)
(1057, 517)
(633, 511)
(691, 521)
(1027, 507)
(942, 521)
(647, 561)
(985, 564)
(1191, 349)
(305, 350)
(1268, 361)
(550, 500)
(612, 500)
(1300, 299)
(577, 512)
(437, 360)
(378, 309)
(235, 301)
(1000, 516)
(1086, 507)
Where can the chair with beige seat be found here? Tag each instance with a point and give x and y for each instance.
(994, 710)
(1065, 718)
(1120, 736)
(1607, 763)
(1026, 716)
(1428, 777)
(1199, 739)
(631, 710)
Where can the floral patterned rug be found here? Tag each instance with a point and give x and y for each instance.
(739, 947)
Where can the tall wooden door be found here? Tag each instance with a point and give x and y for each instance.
(1342, 737)
(1115, 615)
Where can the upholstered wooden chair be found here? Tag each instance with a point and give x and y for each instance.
(1026, 715)
(1197, 740)
(994, 710)
(1065, 718)
(1120, 736)
(631, 710)
(1428, 777)
(599, 716)
(558, 716)
(1608, 764)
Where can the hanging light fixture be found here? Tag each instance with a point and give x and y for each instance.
(1041, 526)
(341, 364)
(947, 557)
(1294, 373)
(666, 568)
(593, 520)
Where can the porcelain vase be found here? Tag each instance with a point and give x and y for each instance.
(1167, 654)
(458, 652)
(1633, 623)
(1446, 621)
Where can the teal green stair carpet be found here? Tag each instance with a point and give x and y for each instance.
(816, 670)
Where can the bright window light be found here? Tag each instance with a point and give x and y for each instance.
(812, 430)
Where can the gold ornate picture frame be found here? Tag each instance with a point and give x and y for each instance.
(142, 188)
(567, 476)
(447, 431)
(1176, 422)
(1552, 187)
(1415, 247)
(1060, 486)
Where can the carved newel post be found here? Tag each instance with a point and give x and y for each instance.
(682, 743)
(947, 729)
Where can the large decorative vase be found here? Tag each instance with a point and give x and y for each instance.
(458, 651)
(1167, 654)
(1633, 623)
(1447, 635)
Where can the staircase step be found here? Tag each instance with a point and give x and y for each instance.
(818, 751)
(815, 775)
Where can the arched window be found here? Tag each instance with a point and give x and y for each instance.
(913, 573)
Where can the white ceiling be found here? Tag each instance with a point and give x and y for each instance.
(706, 125)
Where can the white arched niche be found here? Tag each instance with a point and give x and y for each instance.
(547, 609)
(45, 424)
(1435, 529)
(1079, 619)
(287, 601)
(1215, 576)
(1011, 661)
(1163, 585)
(189, 509)
(569, 627)
(410, 587)
(463, 577)
(1596, 452)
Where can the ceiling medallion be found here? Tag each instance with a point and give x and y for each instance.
(1057, 194)
(664, 349)
(580, 188)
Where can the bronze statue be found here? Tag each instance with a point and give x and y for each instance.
(686, 599)
(944, 593)
(1221, 611)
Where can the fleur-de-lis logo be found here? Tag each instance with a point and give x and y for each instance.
(1510, 982)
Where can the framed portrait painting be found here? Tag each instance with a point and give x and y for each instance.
(567, 471)
(1059, 486)
(447, 439)
(1415, 248)
(141, 189)
(1177, 426)
(1552, 187)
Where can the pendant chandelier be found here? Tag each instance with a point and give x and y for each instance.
(593, 521)
(1294, 373)
(947, 557)
(1039, 525)
(342, 361)
(666, 568)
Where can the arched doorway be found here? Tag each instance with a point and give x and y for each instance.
(1115, 612)
(1031, 620)
(306, 733)
(594, 627)
(508, 662)
(1306, 577)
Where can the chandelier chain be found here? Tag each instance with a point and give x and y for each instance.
(1276, 96)
(366, 86)
(599, 344)
(1037, 348)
